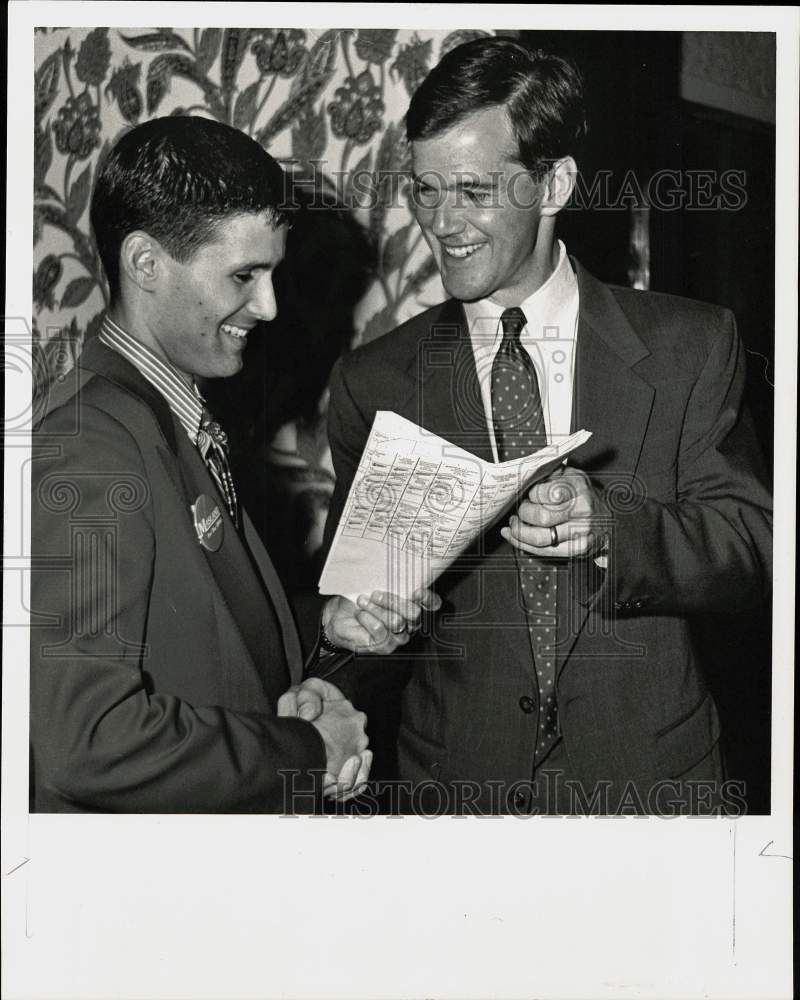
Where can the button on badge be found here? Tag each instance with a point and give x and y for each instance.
(208, 522)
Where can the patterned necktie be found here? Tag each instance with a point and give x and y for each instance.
(212, 443)
(519, 429)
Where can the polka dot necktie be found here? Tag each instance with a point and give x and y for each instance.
(519, 429)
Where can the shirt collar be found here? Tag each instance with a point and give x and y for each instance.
(557, 294)
(183, 399)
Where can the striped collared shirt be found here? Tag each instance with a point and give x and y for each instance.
(183, 399)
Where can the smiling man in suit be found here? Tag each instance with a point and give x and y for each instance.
(165, 664)
(560, 676)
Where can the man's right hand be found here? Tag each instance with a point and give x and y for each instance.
(342, 728)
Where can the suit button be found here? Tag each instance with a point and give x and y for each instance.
(638, 605)
(527, 704)
(521, 799)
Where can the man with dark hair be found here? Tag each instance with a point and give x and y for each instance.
(177, 179)
(165, 664)
(542, 95)
(563, 677)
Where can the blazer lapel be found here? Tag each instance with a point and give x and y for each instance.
(252, 602)
(609, 398)
(614, 403)
(251, 605)
(445, 397)
(274, 587)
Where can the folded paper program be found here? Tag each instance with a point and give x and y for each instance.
(418, 502)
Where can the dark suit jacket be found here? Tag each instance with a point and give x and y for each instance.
(659, 384)
(155, 664)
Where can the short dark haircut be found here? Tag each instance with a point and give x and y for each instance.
(542, 93)
(176, 179)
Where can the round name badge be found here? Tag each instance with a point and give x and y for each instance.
(208, 522)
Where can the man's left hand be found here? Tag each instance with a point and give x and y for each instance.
(567, 502)
(378, 623)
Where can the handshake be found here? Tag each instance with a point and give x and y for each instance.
(343, 730)
(376, 624)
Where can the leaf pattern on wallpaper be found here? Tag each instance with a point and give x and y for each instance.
(45, 88)
(395, 248)
(42, 159)
(314, 75)
(234, 47)
(246, 104)
(342, 89)
(208, 49)
(45, 278)
(310, 136)
(94, 58)
(413, 62)
(159, 80)
(77, 292)
(360, 184)
(392, 163)
(375, 45)
(158, 41)
(124, 88)
(280, 52)
(78, 198)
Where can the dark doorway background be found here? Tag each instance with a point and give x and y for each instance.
(639, 122)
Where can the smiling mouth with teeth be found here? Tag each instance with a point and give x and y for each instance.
(461, 252)
(234, 331)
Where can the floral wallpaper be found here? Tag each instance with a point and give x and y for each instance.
(330, 102)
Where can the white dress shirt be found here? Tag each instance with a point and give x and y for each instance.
(549, 337)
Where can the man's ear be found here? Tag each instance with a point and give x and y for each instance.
(140, 260)
(559, 185)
